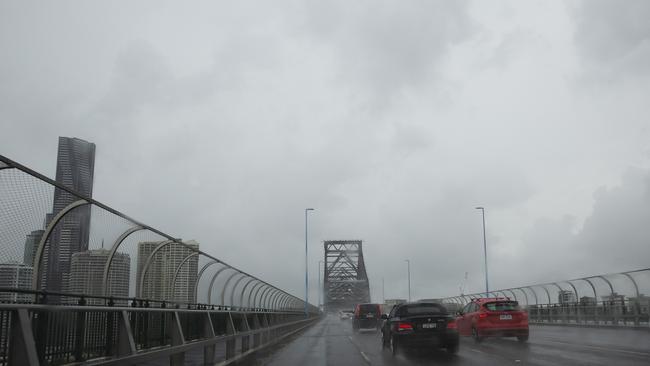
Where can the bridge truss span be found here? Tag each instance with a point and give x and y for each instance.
(345, 278)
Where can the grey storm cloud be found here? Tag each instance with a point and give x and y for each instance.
(614, 36)
(221, 122)
(386, 46)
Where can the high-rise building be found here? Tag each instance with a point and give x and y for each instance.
(566, 297)
(162, 268)
(18, 276)
(75, 168)
(87, 278)
(87, 274)
(31, 245)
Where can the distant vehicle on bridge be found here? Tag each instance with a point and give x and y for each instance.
(366, 317)
(490, 317)
(419, 325)
(345, 314)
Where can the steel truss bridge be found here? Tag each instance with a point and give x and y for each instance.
(142, 294)
(345, 279)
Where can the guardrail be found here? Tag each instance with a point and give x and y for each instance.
(37, 334)
(615, 299)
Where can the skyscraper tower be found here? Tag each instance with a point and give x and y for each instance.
(75, 166)
(162, 269)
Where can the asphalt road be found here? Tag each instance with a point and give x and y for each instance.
(332, 342)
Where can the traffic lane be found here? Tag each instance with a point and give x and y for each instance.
(546, 346)
(332, 342)
(370, 344)
(325, 343)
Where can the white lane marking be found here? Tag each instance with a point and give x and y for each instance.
(476, 350)
(365, 357)
(646, 354)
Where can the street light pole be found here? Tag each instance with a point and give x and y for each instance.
(306, 265)
(383, 294)
(484, 252)
(408, 268)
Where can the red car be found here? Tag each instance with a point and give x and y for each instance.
(493, 317)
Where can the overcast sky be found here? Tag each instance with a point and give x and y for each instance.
(222, 121)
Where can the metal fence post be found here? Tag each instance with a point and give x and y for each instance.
(80, 332)
(232, 342)
(208, 333)
(125, 340)
(177, 338)
(23, 349)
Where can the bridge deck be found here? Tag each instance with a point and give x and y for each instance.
(332, 342)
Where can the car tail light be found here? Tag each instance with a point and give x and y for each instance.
(483, 315)
(404, 326)
(451, 324)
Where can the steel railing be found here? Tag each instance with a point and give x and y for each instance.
(38, 334)
(615, 299)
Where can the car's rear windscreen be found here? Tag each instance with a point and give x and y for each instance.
(368, 308)
(421, 309)
(503, 306)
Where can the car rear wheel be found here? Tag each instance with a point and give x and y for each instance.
(393, 346)
(476, 336)
(523, 338)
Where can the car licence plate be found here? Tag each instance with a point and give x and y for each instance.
(505, 317)
(370, 315)
(429, 325)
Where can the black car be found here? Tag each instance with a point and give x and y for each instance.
(366, 317)
(419, 325)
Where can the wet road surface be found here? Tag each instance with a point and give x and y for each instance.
(332, 342)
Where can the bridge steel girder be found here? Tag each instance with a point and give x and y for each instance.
(36, 279)
(243, 291)
(214, 278)
(111, 254)
(145, 267)
(177, 271)
(345, 281)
